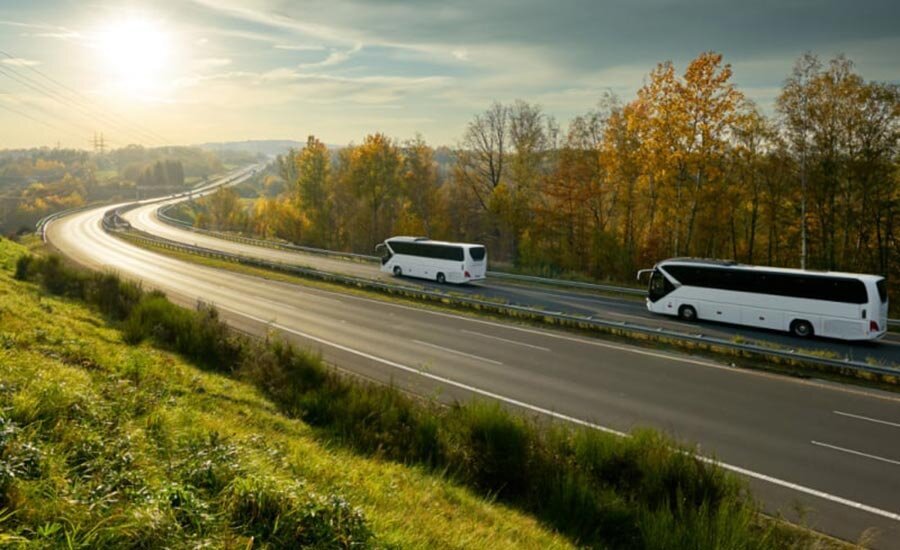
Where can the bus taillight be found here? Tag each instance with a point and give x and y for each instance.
(873, 326)
(468, 276)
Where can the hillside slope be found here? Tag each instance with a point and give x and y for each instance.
(107, 444)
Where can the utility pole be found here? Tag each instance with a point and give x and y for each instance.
(99, 143)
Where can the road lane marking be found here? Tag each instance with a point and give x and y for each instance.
(464, 354)
(534, 408)
(858, 453)
(504, 340)
(860, 417)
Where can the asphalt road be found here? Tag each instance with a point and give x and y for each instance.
(886, 351)
(833, 449)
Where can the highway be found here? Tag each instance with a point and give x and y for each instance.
(886, 351)
(833, 449)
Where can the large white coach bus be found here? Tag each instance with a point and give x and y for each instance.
(440, 261)
(849, 306)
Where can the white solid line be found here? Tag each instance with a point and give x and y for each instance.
(448, 350)
(504, 340)
(737, 469)
(858, 453)
(860, 417)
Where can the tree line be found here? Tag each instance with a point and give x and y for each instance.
(688, 167)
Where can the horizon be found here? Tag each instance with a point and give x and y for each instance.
(203, 71)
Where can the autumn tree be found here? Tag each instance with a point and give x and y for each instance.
(312, 166)
(373, 173)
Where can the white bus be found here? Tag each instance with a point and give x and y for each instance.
(439, 261)
(849, 306)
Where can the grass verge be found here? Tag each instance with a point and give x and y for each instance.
(106, 444)
(592, 487)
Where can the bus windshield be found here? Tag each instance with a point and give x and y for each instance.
(659, 286)
(383, 251)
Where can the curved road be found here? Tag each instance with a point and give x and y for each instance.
(831, 448)
(886, 351)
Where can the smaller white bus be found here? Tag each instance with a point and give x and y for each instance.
(440, 261)
(848, 306)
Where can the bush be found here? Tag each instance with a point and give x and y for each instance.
(23, 266)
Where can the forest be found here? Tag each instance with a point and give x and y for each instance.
(38, 182)
(688, 167)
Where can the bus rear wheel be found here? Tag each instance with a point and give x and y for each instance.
(802, 329)
(397, 271)
(441, 279)
(687, 313)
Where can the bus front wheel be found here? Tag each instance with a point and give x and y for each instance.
(687, 313)
(802, 329)
(397, 271)
(441, 279)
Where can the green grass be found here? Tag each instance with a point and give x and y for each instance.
(107, 444)
(597, 489)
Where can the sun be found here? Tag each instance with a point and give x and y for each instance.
(135, 53)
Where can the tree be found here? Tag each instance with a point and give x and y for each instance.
(482, 156)
(374, 176)
(312, 167)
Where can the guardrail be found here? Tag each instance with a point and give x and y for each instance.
(163, 215)
(567, 283)
(511, 309)
(40, 227)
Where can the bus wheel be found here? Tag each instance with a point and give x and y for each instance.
(441, 279)
(687, 313)
(397, 271)
(802, 329)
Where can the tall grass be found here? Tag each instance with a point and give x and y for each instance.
(643, 491)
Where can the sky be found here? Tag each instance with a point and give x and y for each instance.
(189, 71)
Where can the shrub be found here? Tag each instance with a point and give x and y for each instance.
(23, 265)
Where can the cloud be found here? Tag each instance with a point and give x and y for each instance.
(212, 63)
(20, 62)
(300, 47)
(334, 58)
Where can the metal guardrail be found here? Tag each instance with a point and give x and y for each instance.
(162, 214)
(40, 228)
(567, 283)
(558, 317)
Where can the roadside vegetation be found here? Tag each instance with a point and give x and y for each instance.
(106, 443)
(688, 167)
(37, 182)
(260, 439)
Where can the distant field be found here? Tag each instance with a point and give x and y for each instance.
(106, 175)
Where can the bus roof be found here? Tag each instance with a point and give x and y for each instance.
(429, 241)
(731, 264)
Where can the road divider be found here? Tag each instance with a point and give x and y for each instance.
(783, 357)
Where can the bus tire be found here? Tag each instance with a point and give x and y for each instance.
(687, 313)
(802, 329)
(397, 271)
(441, 278)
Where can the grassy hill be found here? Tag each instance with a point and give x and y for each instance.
(106, 444)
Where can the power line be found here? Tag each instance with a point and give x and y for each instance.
(89, 101)
(39, 121)
(59, 98)
(81, 105)
(25, 81)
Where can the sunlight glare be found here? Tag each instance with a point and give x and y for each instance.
(136, 53)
